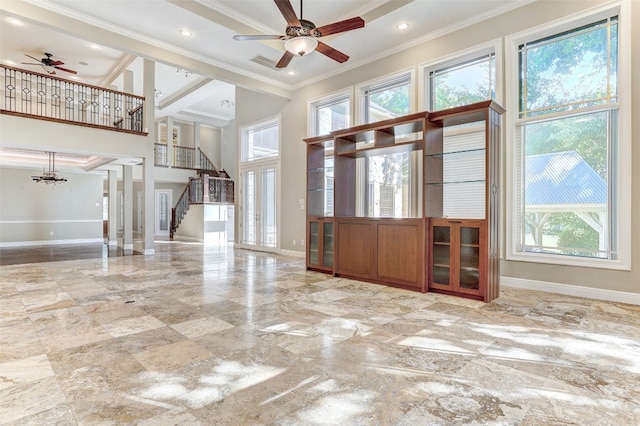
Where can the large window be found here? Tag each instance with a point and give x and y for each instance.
(261, 141)
(452, 82)
(566, 160)
(386, 99)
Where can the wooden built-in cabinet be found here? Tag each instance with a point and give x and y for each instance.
(438, 244)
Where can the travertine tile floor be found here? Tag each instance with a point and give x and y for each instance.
(214, 336)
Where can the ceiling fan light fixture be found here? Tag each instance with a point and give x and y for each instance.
(301, 45)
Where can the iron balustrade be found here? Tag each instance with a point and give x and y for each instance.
(221, 190)
(160, 155)
(184, 157)
(51, 98)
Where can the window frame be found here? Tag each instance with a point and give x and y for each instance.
(362, 88)
(312, 105)
(492, 47)
(259, 125)
(623, 160)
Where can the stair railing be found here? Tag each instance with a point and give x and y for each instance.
(207, 166)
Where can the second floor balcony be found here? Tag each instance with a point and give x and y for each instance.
(47, 97)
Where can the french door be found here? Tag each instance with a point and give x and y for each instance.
(163, 212)
(259, 206)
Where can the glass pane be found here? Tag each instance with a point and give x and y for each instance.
(463, 84)
(556, 81)
(313, 242)
(388, 101)
(441, 234)
(164, 212)
(268, 202)
(249, 207)
(566, 177)
(261, 143)
(389, 186)
(334, 116)
(440, 275)
(327, 241)
(441, 254)
(469, 278)
(469, 236)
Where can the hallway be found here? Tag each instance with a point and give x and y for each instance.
(203, 335)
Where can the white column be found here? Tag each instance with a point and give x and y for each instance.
(148, 171)
(170, 159)
(127, 204)
(113, 208)
(127, 81)
(196, 142)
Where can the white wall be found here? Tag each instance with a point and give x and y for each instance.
(33, 212)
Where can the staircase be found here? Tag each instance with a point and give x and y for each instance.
(211, 186)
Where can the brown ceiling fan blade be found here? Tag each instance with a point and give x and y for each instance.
(284, 61)
(56, 63)
(342, 26)
(256, 37)
(66, 70)
(287, 11)
(35, 59)
(329, 51)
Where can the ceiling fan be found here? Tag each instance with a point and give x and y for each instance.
(302, 35)
(48, 64)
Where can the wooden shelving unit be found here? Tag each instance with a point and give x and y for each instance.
(410, 252)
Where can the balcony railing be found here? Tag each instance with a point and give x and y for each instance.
(51, 98)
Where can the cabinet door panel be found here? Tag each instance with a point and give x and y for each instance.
(354, 249)
(399, 252)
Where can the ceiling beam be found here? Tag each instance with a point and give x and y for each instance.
(53, 16)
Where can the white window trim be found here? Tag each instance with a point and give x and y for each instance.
(311, 118)
(494, 46)
(362, 87)
(622, 9)
(244, 130)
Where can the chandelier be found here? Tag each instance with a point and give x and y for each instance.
(50, 176)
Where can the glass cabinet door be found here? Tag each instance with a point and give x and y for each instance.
(441, 255)
(469, 257)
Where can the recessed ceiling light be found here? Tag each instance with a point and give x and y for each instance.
(15, 21)
(185, 32)
(291, 73)
(94, 46)
(402, 26)
(9, 62)
(74, 77)
(83, 63)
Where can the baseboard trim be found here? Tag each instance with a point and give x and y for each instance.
(573, 290)
(292, 253)
(51, 242)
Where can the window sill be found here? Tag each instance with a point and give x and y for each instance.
(583, 262)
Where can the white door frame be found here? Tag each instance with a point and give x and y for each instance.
(258, 167)
(159, 232)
